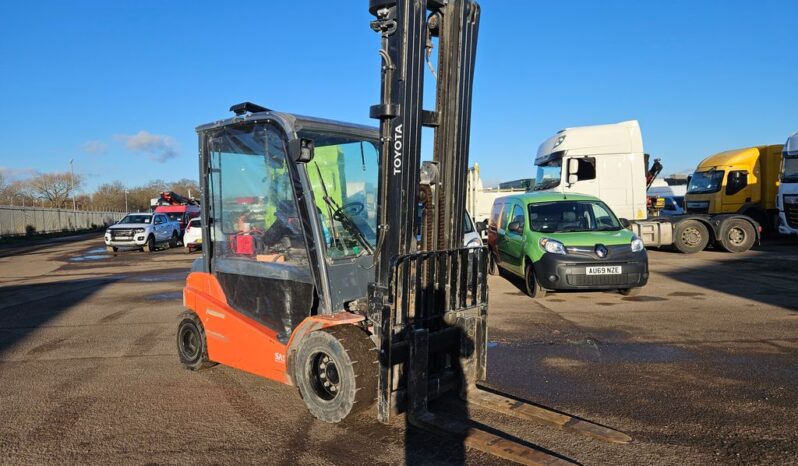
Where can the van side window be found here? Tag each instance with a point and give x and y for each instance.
(518, 214)
(495, 212)
(587, 169)
(506, 215)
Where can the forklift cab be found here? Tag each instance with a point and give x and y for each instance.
(291, 209)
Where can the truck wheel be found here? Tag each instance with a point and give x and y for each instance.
(533, 288)
(150, 245)
(191, 345)
(690, 236)
(737, 235)
(336, 372)
(173, 241)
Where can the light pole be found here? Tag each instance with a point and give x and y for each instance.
(126, 201)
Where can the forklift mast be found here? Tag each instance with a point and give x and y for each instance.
(429, 296)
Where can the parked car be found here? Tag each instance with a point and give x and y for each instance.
(557, 241)
(192, 238)
(142, 231)
(471, 237)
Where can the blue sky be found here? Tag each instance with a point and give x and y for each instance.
(120, 86)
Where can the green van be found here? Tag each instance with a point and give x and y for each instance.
(559, 241)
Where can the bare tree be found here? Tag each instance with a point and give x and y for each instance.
(56, 188)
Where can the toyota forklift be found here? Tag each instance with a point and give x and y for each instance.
(333, 259)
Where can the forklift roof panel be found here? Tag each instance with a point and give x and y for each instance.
(293, 123)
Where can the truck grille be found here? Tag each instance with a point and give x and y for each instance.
(602, 280)
(791, 212)
(123, 233)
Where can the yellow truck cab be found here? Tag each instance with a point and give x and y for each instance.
(742, 181)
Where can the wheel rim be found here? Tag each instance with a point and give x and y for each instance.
(189, 343)
(691, 236)
(737, 236)
(324, 375)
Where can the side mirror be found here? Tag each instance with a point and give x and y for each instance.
(515, 227)
(572, 178)
(482, 226)
(625, 223)
(573, 166)
(301, 150)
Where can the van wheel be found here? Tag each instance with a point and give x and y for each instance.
(533, 288)
(192, 348)
(737, 235)
(336, 372)
(690, 236)
(630, 291)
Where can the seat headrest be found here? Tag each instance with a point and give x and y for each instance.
(569, 216)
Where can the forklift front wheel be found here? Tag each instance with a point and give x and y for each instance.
(191, 345)
(336, 372)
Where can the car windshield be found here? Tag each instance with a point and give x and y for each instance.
(548, 175)
(567, 216)
(344, 176)
(468, 225)
(790, 171)
(705, 182)
(143, 218)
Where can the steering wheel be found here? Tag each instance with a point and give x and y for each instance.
(351, 209)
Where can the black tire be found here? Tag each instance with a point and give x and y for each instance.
(531, 284)
(690, 236)
(737, 235)
(192, 348)
(112, 249)
(150, 246)
(336, 372)
(630, 291)
(173, 241)
(492, 266)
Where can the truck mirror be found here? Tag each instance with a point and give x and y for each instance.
(301, 150)
(573, 167)
(572, 178)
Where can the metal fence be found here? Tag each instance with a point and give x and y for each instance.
(32, 220)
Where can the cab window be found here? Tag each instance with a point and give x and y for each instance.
(737, 181)
(517, 218)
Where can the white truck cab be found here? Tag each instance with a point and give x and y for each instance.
(787, 198)
(606, 161)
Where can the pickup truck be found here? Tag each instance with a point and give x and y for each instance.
(144, 231)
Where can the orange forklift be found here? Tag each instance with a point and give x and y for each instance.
(333, 258)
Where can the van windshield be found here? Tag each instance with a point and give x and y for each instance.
(569, 216)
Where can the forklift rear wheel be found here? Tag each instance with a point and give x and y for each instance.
(336, 372)
(737, 235)
(533, 288)
(150, 246)
(191, 345)
(691, 236)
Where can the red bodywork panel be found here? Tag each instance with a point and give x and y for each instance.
(238, 341)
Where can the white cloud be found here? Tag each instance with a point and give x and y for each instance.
(94, 147)
(156, 147)
(15, 174)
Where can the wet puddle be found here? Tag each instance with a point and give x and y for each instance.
(492, 344)
(168, 296)
(644, 299)
(95, 254)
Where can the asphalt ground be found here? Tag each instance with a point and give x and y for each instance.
(701, 368)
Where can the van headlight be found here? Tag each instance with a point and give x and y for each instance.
(553, 246)
(637, 244)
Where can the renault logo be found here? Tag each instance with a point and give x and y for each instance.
(601, 251)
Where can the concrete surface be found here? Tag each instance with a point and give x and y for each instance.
(701, 368)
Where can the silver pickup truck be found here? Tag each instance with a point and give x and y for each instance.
(144, 231)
